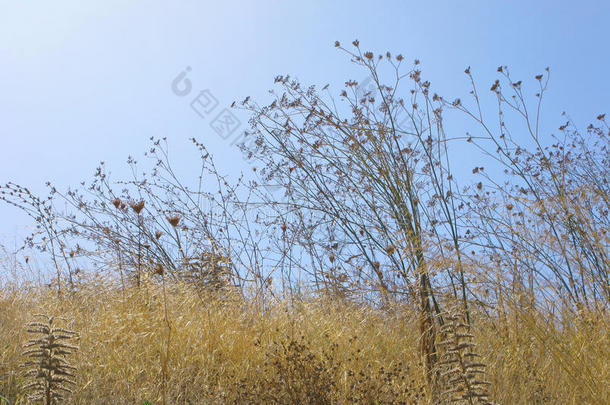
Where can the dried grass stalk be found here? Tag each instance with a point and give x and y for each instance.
(47, 368)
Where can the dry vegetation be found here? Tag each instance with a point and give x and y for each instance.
(317, 351)
(375, 276)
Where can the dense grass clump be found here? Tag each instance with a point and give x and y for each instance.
(317, 350)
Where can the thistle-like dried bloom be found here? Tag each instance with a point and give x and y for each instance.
(116, 202)
(137, 207)
(173, 220)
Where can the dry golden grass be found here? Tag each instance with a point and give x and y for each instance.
(317, 351)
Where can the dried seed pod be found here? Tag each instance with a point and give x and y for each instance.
(174, 220)
(137, 207)
(46, 366)
(459, 373)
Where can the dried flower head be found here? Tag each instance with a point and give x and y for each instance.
(174, 220)
(137, 207)
(158, 270)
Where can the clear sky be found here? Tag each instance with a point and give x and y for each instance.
(82, 82)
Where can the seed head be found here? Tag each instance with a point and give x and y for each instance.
(173, 220)
(137, 207)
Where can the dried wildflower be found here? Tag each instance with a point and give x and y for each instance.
(158, 235)
(174, 220)
(158, 270)
(137, 207)
(116, 202)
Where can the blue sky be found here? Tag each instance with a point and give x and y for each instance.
(83, 82)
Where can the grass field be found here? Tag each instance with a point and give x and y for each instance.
(211, 350)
